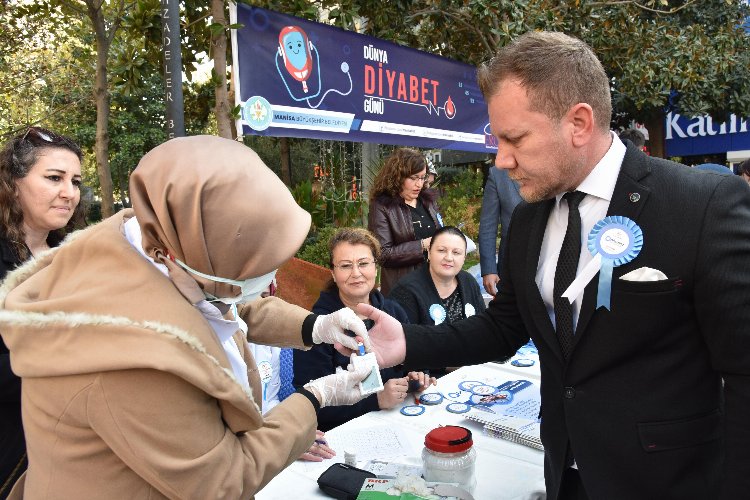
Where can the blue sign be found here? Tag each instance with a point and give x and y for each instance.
(297, 78)
(701, 135)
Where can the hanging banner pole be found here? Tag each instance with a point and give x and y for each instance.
(175, 115)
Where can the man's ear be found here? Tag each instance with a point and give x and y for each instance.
(580, 118)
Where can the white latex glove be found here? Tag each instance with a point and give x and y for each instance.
(339, 388)
(330, 328)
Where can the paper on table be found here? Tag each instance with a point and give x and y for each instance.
(380, 442)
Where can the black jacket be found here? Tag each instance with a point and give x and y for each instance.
(323, 359)
(390, 221)
(416, 292)
(654, 399)
(12, 444)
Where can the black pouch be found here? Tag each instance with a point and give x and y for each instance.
(342, 481)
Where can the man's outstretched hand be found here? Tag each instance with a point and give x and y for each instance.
(386, 337)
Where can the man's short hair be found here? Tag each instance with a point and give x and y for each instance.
(558, 72)
(634, 136)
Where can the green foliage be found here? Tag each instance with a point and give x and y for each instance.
(330, 207)
(462, 202)
(315, 249)
(304, 153)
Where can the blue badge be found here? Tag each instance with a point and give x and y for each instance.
(412, 410)
(437, 313)
(484, 389)
(618, 240)
(458, 407)
(431, 398)
(523, 362)
(466, 385)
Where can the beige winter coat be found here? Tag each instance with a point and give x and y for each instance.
(126, 391)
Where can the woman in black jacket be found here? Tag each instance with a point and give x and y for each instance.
(403, 216)
(440, 291)
(353, 254)
(40, 179)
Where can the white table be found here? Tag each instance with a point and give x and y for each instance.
(504, 470)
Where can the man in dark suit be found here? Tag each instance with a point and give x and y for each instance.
(650, 397)
(498, 202)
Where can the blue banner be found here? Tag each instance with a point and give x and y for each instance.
(297, 78)
(700, 135)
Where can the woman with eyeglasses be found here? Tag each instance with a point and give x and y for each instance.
(353, 254)
(440, 291)
(403, 214)
(40, 181)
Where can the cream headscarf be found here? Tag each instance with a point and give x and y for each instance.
(213, 204)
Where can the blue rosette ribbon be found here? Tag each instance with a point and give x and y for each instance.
(618, 240)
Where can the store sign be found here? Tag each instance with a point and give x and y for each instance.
(702, 135)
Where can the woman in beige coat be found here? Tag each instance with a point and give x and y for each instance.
(134, 385)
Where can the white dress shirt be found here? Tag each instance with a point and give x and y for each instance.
(598, 186)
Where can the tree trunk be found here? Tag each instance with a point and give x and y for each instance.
(101, 96)
(655, 125)
(219, 52)
(286, 161)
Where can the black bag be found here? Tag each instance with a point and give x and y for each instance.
(343, 481)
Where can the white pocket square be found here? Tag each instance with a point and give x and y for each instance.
(644, 274)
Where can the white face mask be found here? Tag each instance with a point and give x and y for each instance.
(251, 288)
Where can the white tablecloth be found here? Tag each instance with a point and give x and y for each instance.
(504, 470)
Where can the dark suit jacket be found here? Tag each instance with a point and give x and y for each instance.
(654, 400)
(500, 198)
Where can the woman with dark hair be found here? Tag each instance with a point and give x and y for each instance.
(440, 291)
(403, 215)
(353, 254)
(40, 181)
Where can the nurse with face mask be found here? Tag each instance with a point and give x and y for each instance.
(132, 337)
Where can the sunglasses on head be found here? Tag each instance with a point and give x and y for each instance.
(38, 133)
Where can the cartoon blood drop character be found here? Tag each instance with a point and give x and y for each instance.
(296, 50)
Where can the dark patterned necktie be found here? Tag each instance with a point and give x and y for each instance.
(567, 265)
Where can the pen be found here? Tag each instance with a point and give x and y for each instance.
(321, 441)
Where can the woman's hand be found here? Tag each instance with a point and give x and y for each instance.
(319, 450)
(393, 393)
(423, 379)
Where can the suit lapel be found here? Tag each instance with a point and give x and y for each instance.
(628, 199)
(542, 322)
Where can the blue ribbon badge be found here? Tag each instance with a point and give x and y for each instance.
(618, 240)
(437, 313)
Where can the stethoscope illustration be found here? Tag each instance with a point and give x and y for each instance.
(296, 51)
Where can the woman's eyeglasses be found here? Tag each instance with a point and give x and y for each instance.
(348, 267)
(416, 178)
